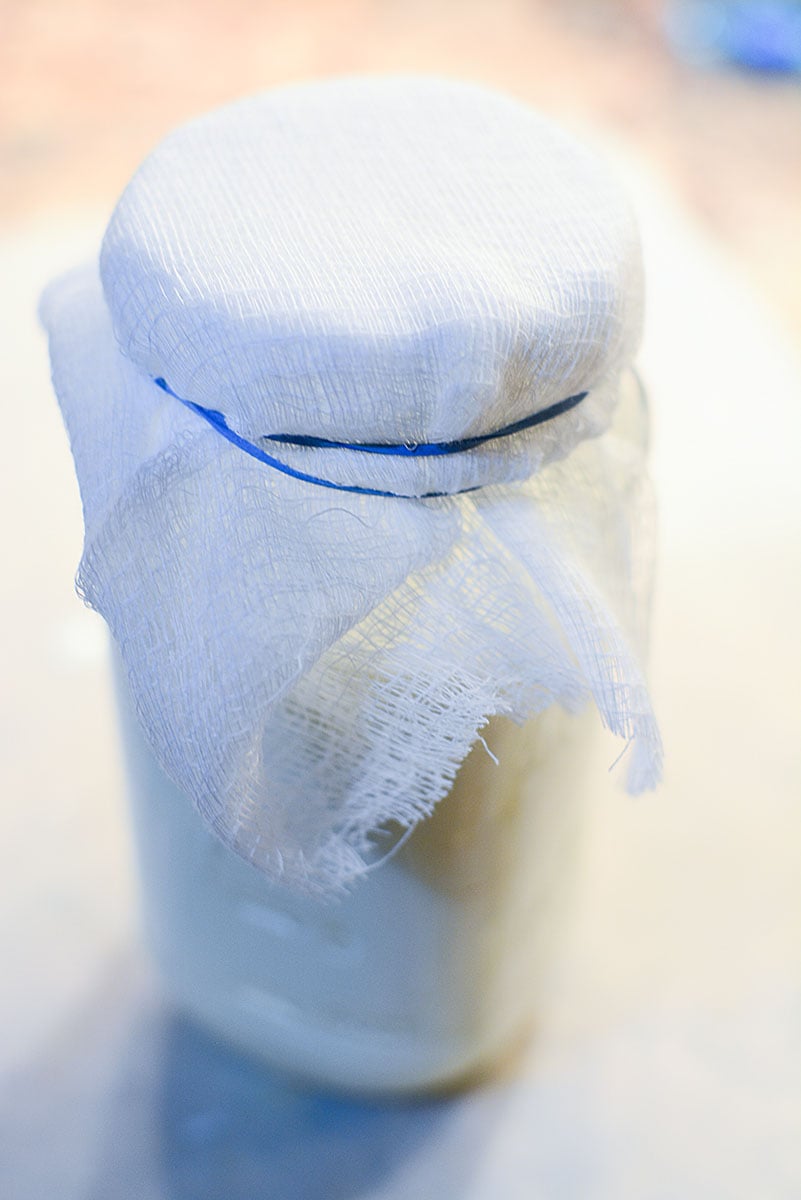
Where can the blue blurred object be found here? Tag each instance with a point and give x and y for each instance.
(763, 35)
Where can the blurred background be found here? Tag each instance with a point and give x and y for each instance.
(668, 1058)
(88, 87)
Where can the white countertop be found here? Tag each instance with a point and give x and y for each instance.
(668, 1061)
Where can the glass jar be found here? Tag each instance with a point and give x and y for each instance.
(427, 973)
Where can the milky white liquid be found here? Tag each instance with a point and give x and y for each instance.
(427, 973)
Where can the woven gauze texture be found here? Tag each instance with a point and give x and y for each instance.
(393, 260)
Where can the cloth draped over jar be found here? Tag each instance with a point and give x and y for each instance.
(359, 279)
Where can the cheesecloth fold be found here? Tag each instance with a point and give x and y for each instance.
(394, 261)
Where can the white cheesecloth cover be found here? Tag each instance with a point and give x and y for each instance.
(397, 263)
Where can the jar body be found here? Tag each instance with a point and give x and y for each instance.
(426, 973)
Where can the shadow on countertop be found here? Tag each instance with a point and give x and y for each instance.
(130, 1101)
(228, 1128)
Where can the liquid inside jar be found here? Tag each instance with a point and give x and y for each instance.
(427, 973)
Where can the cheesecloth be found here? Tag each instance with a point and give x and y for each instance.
(388, 265)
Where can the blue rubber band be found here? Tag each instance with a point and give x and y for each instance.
(432, 449)
(410, 450)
